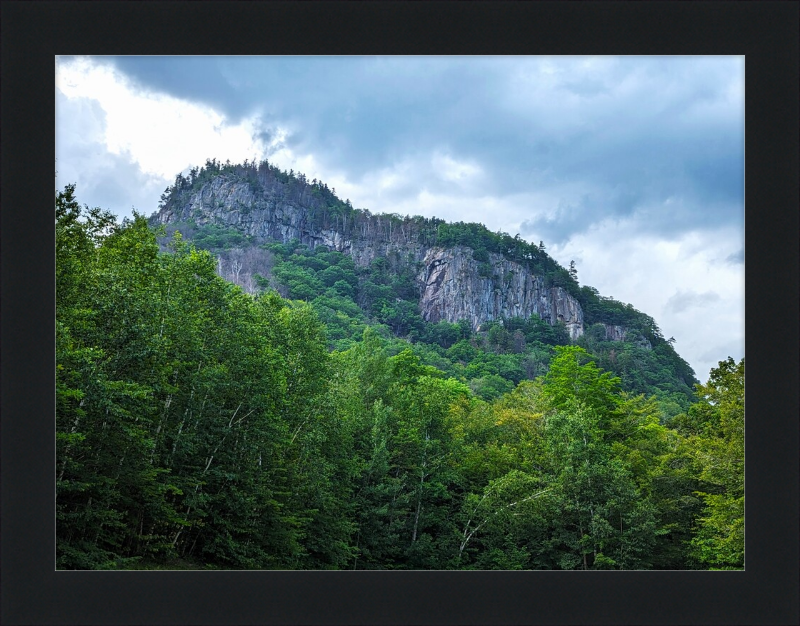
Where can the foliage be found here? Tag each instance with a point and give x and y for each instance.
(326, 426)
(718, 442)
(192, 419)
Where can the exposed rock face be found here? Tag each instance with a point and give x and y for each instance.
(454, 289)
(272, 214)
(615, 333)
(276, 213)
(621, 333)
(451, 286)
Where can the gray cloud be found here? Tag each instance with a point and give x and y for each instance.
(712, 357)
(735, 258)
(112, 182)
(569, 218)
(634, 130)
(680, 301)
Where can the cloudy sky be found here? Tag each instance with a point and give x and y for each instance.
(633, 167)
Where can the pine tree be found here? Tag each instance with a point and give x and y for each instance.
(573, 272)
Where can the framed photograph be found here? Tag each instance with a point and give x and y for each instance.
(351, 326)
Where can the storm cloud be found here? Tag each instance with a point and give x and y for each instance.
(606, 137)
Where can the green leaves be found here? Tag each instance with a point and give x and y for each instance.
(198, 423)
(719, 541)
(574, 377)
(718, 447)
(189, 416)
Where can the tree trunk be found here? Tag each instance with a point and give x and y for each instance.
(416, 520)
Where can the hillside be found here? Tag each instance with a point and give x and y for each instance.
(474, 303)
(199, 426)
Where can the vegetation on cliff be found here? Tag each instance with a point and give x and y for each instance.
(386, 293)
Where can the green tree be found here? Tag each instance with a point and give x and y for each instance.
(573, 376)
(719, 542)
(599, 510)
(573, 272)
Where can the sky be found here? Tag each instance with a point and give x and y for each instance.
(633, 167)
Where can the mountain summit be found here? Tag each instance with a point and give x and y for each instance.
(431, 271)
(455, 281)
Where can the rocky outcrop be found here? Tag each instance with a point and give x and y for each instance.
(270, 214)
(615, 333)
(621, 333)
(274, 212)
(455, 286)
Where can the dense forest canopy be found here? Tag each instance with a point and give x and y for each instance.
(201, 426)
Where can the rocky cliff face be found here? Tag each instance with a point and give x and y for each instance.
(276, 212)
(615, 333)
(454, 288)
(453, 285)
(621, 333)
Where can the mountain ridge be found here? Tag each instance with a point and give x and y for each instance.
(280, 212)
(459, 271)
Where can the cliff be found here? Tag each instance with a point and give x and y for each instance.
(452, 284)
(273, 211)
(269, 213)
(454, 288)
(615, 332)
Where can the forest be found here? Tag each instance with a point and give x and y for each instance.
(319, 423)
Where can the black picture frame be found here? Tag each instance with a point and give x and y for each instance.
(765, 33)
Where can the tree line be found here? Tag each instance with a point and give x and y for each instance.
(199, 426)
